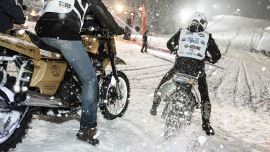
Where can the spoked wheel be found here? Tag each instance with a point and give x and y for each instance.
(117, 98)
(13, 125)
(177, 112)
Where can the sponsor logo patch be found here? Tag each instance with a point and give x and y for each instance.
(65, 5)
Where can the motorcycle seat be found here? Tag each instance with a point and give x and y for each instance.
(40, 44)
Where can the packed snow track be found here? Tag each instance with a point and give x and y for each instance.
(240, 97)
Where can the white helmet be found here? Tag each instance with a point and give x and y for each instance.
(198, 19)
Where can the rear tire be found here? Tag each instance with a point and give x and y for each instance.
(177, 112)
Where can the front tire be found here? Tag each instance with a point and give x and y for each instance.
(113, 107)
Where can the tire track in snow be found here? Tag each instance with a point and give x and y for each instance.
(257, 73)
(237, 79)
(149, 77)
(156, 71)
(264, 92)
(251, 79)
(141, 130)
(144, 68)
(260, 85)
(221, 79)
(248, 84)
(153, 73)
(212, 70)
(226, 89)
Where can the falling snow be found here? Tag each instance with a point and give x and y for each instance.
(238, 83)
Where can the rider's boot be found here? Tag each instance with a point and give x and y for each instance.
(207, 128)
(153, 110)
(156, 103)
(206, 112)
(88, 135)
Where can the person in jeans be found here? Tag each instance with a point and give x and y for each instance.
(191, 46)
(60, 26)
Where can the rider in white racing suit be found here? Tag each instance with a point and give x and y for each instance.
(191, 46)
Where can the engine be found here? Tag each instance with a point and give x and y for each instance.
(69, 89)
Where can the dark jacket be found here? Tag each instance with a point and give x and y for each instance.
(145, 37)
(189, 65)
(52, 25)
(10, 14)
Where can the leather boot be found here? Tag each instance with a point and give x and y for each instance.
(153, 110)
(88, 135)
(207, 128)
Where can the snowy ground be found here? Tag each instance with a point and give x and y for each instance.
(236, 92)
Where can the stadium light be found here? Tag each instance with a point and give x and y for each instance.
(185, 14)
(119, 7)
(215, 6)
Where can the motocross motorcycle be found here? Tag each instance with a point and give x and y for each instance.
(35, 76)
(181, 96)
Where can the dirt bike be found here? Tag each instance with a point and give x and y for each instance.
(35, 76)
(181, 96)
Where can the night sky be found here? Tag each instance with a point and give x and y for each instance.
(248, 8)
(165, 16)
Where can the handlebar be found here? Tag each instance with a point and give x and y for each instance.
(100, 32)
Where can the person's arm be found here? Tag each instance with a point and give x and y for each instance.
(174, 42)
(15, 13)
(5, 22)
(103, 16)
(213, 50)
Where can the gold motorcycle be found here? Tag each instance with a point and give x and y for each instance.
(35, 77)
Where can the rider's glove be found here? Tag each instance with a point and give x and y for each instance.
(174, 51)
(119, 31)
(209, 59)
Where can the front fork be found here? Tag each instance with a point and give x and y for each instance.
(114, 69)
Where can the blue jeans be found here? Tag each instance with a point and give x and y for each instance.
(77, 57)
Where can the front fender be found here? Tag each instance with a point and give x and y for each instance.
(119, 61)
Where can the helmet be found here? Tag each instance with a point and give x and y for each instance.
(198, 21)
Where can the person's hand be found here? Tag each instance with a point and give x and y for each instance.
(119, 31)
(19, 26)
(173, 52)
(209, 59)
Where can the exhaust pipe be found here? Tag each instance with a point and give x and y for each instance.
(34, 100)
